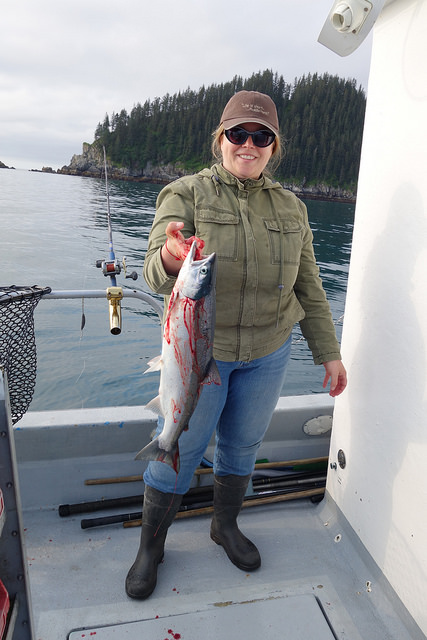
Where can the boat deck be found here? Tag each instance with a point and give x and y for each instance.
(312, 582)
(316, 580)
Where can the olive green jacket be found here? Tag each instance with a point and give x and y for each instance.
(267, 277)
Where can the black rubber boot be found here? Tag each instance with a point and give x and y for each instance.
(229, 492)
(158, 512)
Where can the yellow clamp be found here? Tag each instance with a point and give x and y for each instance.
(114, 295)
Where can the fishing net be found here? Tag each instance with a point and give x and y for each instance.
(18, 355)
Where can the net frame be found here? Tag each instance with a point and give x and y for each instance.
(18, 353)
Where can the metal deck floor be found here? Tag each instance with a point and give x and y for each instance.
(312, 583)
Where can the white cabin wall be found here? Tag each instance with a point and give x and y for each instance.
(380, 422)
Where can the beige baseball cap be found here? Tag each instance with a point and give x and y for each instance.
(250, 106)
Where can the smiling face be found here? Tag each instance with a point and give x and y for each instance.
(245, 160)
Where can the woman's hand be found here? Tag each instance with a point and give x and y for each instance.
(175, 240)
(176, 248)
(335, 371)
(173, 251)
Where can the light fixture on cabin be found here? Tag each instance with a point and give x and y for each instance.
(348, 24)
(349, 16)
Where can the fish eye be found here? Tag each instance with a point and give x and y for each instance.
(204, 271)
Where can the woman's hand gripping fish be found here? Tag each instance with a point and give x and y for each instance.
(186, 360)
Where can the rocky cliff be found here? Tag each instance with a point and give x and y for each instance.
(90, 163)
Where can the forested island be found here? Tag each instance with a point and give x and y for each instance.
(321, 119)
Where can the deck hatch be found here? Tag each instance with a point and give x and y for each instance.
(297, 617)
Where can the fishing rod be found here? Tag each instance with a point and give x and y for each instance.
(113, 268)
(196, 494)
(205, 505)
(198, 498)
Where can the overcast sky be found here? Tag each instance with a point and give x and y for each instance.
(65, 64)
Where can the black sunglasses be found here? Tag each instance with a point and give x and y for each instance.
(238, 135)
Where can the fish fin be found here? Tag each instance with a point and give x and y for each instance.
(155, 406)
(153, 452)
(154, 365)
(212, 376)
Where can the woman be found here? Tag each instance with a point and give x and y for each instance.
(267, 280)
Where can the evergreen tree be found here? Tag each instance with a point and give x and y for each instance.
(321, 119)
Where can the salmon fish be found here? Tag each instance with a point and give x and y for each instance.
(186, 361)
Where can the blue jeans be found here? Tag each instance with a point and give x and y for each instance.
(239, 409)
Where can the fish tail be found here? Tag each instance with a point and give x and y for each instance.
(153, 452)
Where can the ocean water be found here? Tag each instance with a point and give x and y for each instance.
(54, 229)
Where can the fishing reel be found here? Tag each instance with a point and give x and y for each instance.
(114, 268)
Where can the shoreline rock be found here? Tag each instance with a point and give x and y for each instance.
(43, 170)
(4, 166)
(321, 192)
(90, 164)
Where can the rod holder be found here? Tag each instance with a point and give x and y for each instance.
(114, 297)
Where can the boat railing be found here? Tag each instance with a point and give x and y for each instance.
(17, 338)
(103, 293)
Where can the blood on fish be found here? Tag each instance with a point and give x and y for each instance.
(168, 318)
(175, 410)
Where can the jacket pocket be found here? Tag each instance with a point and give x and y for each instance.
(285, 241)
(220, 230)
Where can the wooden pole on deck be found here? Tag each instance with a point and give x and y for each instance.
(253, 502)
(207, 470)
